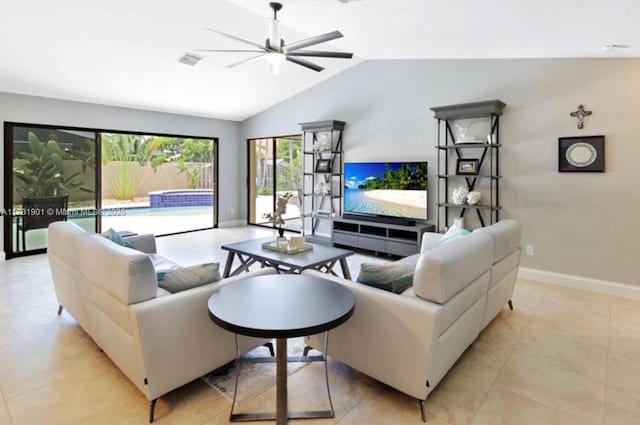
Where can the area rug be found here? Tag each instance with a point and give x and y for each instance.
(255, 377)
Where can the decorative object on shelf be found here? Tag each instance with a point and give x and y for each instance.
(581, 154)
(459, 195)
(322, 141)
(580, 114)
(323, 165)
(276, 217)
(463, 134)
(467, 166)
(322, 188)
(473, 197)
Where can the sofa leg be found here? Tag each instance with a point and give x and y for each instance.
(510, 305)
(152, 408)
(423, 414)
(269, 345)
(60, 308)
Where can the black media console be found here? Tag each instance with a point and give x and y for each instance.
(386, 238)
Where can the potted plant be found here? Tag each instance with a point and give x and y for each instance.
(45, 187)
(276, 217)
(42, 170)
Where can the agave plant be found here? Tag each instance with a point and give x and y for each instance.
(42, 170)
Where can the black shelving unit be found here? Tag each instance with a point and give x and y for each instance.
(319, 209)
(487, 153)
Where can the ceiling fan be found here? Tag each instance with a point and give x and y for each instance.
(276, 52)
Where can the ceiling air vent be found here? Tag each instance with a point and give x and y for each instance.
(189, 59)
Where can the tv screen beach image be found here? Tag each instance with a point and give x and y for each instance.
(395, 189)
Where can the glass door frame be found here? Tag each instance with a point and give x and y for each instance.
(273, 141)
(9, 180)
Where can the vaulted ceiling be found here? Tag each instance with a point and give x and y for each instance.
(126, 52)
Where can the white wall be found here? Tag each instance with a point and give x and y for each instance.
(40, 110)
(580, 224)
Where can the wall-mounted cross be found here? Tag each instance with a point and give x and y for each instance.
(580, 114)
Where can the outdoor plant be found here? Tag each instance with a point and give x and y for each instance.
(128, 150)
(42, 170)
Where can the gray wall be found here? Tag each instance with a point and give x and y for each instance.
(580, 224)
(39, 110)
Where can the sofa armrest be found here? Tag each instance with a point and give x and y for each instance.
(144, 243)
(429, 240)
(178, 339)
(390, 337)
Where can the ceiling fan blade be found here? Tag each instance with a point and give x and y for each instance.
(313, 41)
(247, 60)
(321, 54)
(242, 40)
(228, 51)
(305, 63)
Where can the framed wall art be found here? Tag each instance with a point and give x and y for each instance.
(467, 167)
(581, 154)
(323, 166)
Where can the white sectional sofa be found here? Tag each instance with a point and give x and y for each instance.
(159, 340)
(409, 341)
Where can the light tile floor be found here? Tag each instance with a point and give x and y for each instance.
(563, 357)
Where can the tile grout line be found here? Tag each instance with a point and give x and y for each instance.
(493, 384)
(6, 408)
(538, 401)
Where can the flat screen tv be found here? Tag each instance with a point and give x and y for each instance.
(387, 189)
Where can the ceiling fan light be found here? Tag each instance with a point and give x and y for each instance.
(275, 58)
(274, 34)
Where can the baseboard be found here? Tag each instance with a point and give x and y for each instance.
(232, 223)
(588, 284)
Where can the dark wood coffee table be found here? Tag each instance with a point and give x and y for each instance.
(281, 307)
(321, 257)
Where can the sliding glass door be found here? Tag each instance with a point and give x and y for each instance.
(158, 184)
(140, 183)
(275, 168)
(50, 175)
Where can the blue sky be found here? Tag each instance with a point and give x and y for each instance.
(357, 173)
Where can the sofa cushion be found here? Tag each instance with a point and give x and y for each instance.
(393, 277)
(162, 264)
(182, 278)
(506, 238)
(115, 237)
(125, 273)
(452, 234)
(447, 269)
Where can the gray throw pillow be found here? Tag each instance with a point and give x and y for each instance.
(392, 277)
(182, 278)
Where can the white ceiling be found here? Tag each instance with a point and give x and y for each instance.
(125, 52)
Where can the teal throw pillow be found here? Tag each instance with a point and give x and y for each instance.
(453, 234)
(115, 237)
(182, 278)
(392, 277)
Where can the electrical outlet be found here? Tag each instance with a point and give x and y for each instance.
(232, 211)
(530, 250)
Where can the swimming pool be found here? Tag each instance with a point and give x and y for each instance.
(181, 198)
